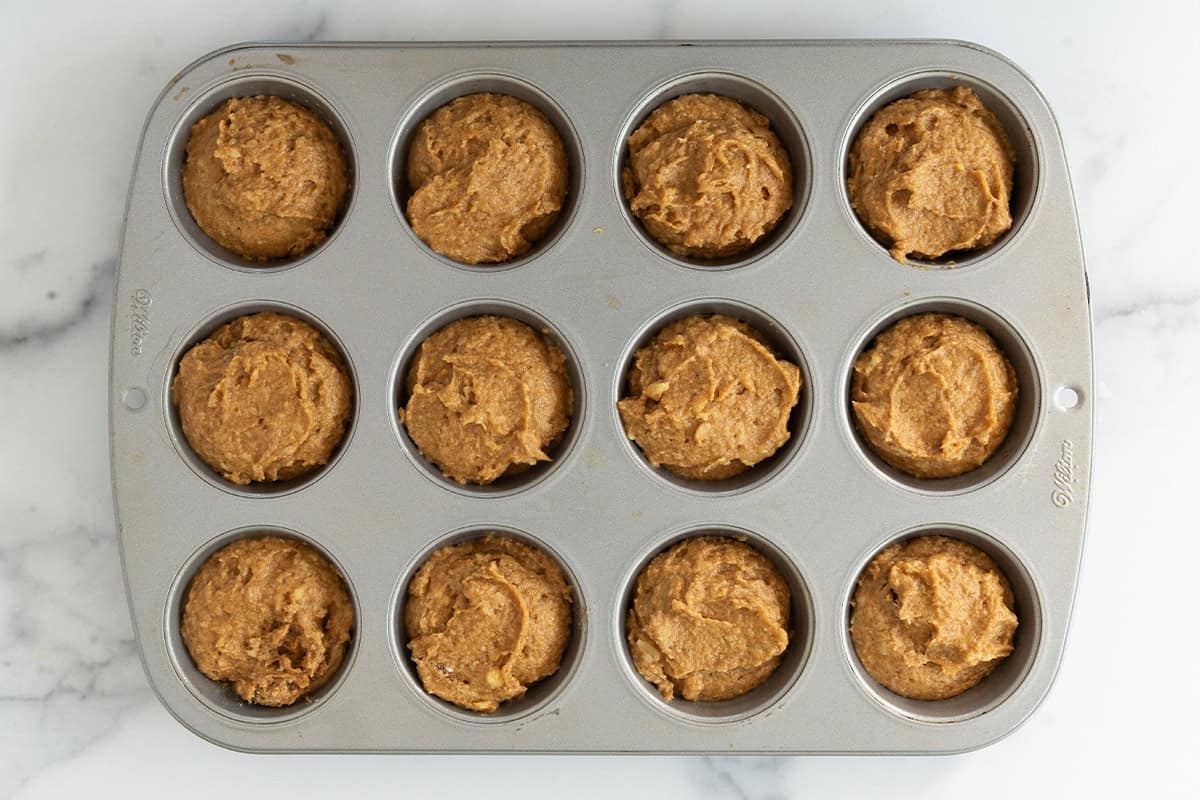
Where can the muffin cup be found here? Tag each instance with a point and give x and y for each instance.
(541, 695)
(1026, 168)
(258, 489)
(251, 84)
(761, 698)
(753, 95)
(445, 91)
(506, 484)
(785, 347)
(219, 696)
(1025, 416)
(997, 686)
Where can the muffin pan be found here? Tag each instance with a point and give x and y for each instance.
(818, 286)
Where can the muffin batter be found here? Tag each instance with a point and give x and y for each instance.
(932, 174)
(707, 176)
(932, 617)
(709, 619)
(488, 176)
(708, 399)
(264, 177)
(264, 398)
(488, 396)
(486, 619)
(933, 395)
(271, 616)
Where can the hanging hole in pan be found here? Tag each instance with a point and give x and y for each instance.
(1068, 398)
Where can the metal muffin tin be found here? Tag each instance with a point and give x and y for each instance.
(819, 286)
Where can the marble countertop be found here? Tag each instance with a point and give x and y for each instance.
(76, 714)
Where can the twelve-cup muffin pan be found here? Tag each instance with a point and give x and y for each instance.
(819, 287)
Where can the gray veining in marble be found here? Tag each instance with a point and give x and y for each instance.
(75, 713)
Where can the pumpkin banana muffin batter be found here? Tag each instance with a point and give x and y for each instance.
(709, 619)
(708, 399)
(487, 396)
(932, 617)
(932, 174)
(270, 615)
(488, 176)
(264, 177)
(707, 176)
(933, 395)
(486, 619)
(266, 397)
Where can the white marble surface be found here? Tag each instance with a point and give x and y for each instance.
(76, 716)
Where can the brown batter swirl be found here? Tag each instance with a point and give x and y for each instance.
(708, 399)
(707, 176)
(271, 616)
(264, 177)
(486, 619)
(266, 397)
(488, 396)
(709, 619)
(933, 173)
(488, 175)
(932, 617)
(934, 396)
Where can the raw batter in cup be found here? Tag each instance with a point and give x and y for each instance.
(264, 398)
(488, 177)
(486, 619)
(709, 619)
(933, 395)
(707, 176)
(708, 398)
(488, 396)
(933, 174)
(932, 617)
(264, 177)
(271, 616)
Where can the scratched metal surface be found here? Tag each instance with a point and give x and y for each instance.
(820, 287)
